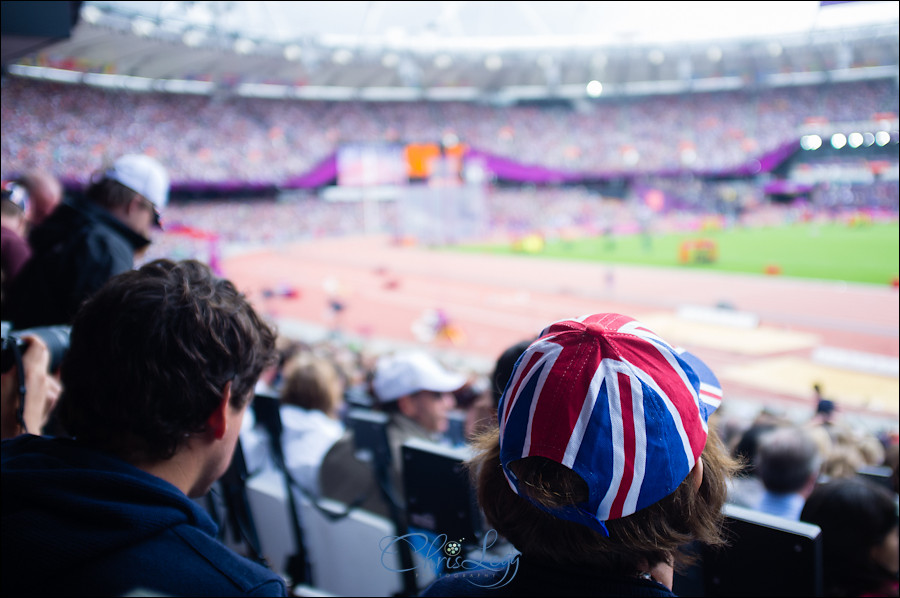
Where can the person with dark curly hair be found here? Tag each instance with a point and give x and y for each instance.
(860, 530)
(159, 373)
(602, 466)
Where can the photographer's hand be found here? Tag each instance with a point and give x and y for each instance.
(41, 387)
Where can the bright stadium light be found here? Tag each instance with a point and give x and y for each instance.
(594, 89)
(882, 138)
(810, 142)
(193, 37)
(493, 62)
(142, 27)
(91, 13)
(342, 56)
(443, 61)
(243, 45)
(838, 140)
(292, 52)
(631, 157)
(855, 140)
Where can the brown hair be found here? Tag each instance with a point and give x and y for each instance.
(150, 354)
(650, 536)
(109, 194)
(312, 382)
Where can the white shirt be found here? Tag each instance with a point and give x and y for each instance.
(305, 438)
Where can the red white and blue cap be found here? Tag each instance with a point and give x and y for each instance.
(606, 397)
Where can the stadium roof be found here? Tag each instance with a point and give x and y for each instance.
(501, 25)
(464, 50)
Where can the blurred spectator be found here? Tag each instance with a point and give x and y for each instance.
(788, 463)
(592, 510)
(41, 388)
(415, 391)
(848, 449)
(45, 192)
(84, 243)
(255, 441)
(841, 461)
(312, 399)
(892, 460)
(745, 487)
(859, 537)
(159, 373)
(870, 448)
(825, 408)
(14, 249)
(482, 415)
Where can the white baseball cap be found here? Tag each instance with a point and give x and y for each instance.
(408, 373)
(142, 174)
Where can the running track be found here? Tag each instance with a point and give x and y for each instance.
(495, 301)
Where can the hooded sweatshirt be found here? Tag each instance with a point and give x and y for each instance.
(79, 522)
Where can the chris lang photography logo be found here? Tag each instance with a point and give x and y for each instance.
(447, 555)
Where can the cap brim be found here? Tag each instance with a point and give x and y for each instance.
(445, 382)
(710, 387)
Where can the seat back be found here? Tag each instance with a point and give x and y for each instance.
(351, 555)
(766, 556)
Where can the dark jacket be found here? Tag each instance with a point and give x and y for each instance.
(74, 252)
(76, 521)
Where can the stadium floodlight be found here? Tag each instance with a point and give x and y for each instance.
(810, 142)
(838, 140)
(292, 52)
(142, 27)
(493, 62)
(868, 139)
(342, 56)
(442, 61)
(882, 138)
(594, 89)
(193, 38)
(91, 13)
(243, 45)
(855, 140)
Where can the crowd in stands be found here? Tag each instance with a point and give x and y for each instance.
(65, 129)
(167, 357)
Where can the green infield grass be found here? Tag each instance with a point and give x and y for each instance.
(866, 253)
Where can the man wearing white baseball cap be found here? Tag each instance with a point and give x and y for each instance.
(416, 392)
(89, 239)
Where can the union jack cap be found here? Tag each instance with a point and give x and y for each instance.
(606, 397)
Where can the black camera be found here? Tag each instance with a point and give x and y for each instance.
(55, 337)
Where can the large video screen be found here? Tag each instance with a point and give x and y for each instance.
(372, 164)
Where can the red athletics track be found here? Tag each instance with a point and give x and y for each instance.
(495, 301)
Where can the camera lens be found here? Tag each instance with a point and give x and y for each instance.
(55, 337)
